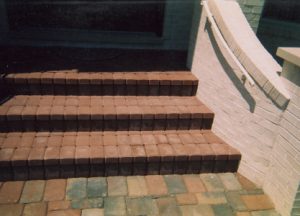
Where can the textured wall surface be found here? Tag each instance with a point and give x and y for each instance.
(252, 10)
(267, 136)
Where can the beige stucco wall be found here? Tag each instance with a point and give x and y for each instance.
(246, 117)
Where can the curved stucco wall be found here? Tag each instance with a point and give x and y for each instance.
(247, 117)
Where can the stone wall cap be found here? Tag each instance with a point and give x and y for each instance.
(290, 54)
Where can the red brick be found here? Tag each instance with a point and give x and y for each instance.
(135, 139)
(11, 142)
(67, 154)
(97, 154)
(10, 192)
(111, 153)
(82, 155)
(148, 139)
(55, 190)
(5, 156)
(43, 112)
(82, 140)
(52, 156)
(109, 139)
(14, 112)
(20, 157)
(55, 141)
(36, 156)
(69, 141)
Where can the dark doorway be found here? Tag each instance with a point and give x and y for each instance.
(94, 15)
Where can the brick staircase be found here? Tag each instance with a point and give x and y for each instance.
(64, 124)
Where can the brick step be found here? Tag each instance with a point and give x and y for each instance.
(108, 113)
(46, 155)
(98, 83)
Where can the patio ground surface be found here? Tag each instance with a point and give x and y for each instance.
(205, 194)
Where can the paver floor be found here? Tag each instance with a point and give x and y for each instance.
(205, 194)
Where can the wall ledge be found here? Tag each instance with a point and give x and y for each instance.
(247, 48)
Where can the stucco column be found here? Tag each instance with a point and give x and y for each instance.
(4, 27)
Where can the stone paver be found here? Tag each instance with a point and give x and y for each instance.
(141, 206)
(175, 184)
(167, 206)
(68, 212)
(193, 183)
(93, 212)
(230, 181)
(58, 205)
(212, 182)
(39, 209)
(33, 191)
(96, 187)
(203, 195)
(186, 199)
(222, 210)
(76, 188)
(257, 202)
(117, 186)
(137, 186)
(235, 201)
(114, 206)
(265, 213)
(87, 203)
(243, 214)
(156, 185)
(55, 189)
(211, 198)
(197, 210)
(11, 209)
(10, 192)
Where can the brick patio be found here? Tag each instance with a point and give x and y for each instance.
(205, 194)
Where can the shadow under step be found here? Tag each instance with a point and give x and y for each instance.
(104, 113)
(99, 83)
(45, 155)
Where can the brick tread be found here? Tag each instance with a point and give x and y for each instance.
(102, 83)
(76, 113)
(44, 155)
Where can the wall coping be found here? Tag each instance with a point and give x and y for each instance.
(248, 49)
(290, 54)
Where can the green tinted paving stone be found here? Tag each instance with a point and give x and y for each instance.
(175, 184)
(196, 210)
(265, 213)
(211, 198)
(235, 201)
(33, 191)
(222, 210)
(114, 206)
(96, 187)
(167, 207)
(87, 203)
(76, 188)
(230, 181)
(117, 186)
(212, 182)
(141, 206)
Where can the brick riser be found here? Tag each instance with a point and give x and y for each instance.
(140, 90)
(118, 83)
(84, 154)
(106, 125)
(177, 165)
